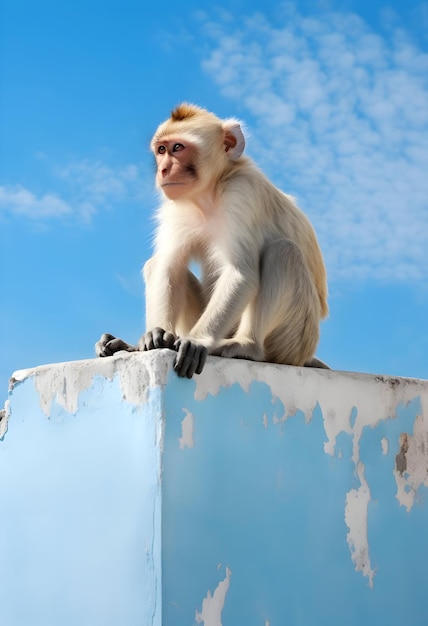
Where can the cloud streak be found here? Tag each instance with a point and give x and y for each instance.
(19, 201)
(341, 121)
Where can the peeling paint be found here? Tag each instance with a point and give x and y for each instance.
(385, 446)
(349, 403)
(4, 418)
(411, 471)
(186, 439)
(212, 605)
(87, 486)
(64, 382)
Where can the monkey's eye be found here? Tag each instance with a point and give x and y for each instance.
(177, 147)
(161, 149)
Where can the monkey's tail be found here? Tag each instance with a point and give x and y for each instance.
(314, 362)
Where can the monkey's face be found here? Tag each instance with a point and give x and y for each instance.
(176, 171)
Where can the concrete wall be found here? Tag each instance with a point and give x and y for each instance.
(252, 495)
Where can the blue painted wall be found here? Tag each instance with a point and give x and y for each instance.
(254, 495)
(80, 511)
(266, 501)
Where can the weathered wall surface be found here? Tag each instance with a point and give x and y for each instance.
(253, 494)
(80, 496)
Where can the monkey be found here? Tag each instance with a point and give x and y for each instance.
(262, 291)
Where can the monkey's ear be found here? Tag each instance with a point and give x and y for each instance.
(234, 139)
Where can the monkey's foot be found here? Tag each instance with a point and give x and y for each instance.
(109, 345)
(235, 349)
(156, 338)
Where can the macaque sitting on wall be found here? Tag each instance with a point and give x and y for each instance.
(262, 290)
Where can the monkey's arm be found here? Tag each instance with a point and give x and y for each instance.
(230, 296)
(190, 359)
(171, 291)
(236, 287)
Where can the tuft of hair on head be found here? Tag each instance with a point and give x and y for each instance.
(184, 111)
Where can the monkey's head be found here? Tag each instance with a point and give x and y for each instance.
(192, 150)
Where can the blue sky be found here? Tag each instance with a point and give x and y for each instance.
(335, 99)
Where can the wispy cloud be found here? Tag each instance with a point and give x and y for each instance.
(19, 201)
(96, 184)
(82, 188)
(341, 121)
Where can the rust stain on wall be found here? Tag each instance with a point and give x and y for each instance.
(400, 459)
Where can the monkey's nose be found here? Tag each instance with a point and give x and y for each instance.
(164, 167)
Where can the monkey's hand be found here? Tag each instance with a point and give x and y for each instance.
(156, 338)
(109, 344)
(191, 357)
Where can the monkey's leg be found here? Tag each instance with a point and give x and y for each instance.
(192, 304)
(281, 324)
(288, 310)
(174, 297)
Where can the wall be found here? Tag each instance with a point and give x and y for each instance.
(254, 494)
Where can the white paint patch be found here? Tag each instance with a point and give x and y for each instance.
(385, 446)
(357, 502)
(349, 402)
(265, 421)
(186, 439)
(4, 418)
(212, 605)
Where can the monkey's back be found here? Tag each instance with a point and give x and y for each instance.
(279, 216)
